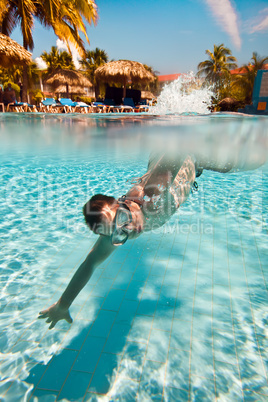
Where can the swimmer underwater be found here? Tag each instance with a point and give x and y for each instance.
(148, 205)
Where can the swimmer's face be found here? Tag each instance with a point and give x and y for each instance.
(106, 226)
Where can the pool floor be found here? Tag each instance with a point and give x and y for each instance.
(177, 315)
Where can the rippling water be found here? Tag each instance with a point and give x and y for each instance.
(51, 165)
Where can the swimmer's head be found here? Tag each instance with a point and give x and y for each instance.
(99, 213)
(107, 216)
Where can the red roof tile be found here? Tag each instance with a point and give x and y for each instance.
(168, 77)
(242, 70)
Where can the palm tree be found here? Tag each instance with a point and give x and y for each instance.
(57, 59)
(91, 61)
(65, 17)
(217, 68)
(245, 80)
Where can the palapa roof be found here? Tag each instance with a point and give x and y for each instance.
(68, 77)
(72, 89)
(122, 71)
(11, 53)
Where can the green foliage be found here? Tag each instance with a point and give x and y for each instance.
(57, 59)
(243, 83)
(86, 99)
(37, 95)
(92, 60)
(14, 86)
(216, 69)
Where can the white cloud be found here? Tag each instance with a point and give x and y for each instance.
(41, 63)
(261, 23)
(226, 16)
(75, 55)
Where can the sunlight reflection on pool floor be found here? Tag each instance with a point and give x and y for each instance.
(179, 314)
(174, 315)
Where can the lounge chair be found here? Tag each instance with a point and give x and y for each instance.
(142, 106)
(82, 107)
(21, 107)
(109, 105)
(66, 105)
(98, 107)
(47, 105)
(128, 106)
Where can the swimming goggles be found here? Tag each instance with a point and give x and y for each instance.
(122, 219)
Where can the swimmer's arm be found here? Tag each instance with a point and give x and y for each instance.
(60, 310)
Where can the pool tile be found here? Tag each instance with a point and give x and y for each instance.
(227, 381)
(112, 270)
(178, 369)
(92, 348)
(122, 281)
(43, 395)
(202, 326)
(183, 309)
(75, 386)
(102, 288)
(181, 335)
(140, 329)
(113, 300)
(91, 397)
(132, 360)
(186, 288)
(117, 339)
(57, 370)
(105, 370)
(147, 305)
(176, 394)
(127, 312)
(35, 374)
(163, 317)
(224, 348)
(142, 272)
(172, 277)
(103, 323)
(202, 389)
(168, 295)
(158, 346)
(90, 309)
(152, 381)
(134, 290)
(202, 352)
(152, 288)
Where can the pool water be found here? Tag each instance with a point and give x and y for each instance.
(178, 314)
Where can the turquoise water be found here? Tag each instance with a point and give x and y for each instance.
(176, 315)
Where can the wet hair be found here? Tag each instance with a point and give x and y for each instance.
(92, 210)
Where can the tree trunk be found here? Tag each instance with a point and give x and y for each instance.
(25, 77)
(25, 84)
(97, 90)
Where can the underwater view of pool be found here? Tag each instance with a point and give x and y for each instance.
(178, 314)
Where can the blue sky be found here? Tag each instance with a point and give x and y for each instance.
(172, 35)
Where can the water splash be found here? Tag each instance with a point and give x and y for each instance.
(184, 95)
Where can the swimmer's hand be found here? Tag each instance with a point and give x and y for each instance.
(56, 313)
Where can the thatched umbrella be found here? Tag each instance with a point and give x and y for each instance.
(12, 53)
(68, 78)
(77, 90)
(122, 71)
